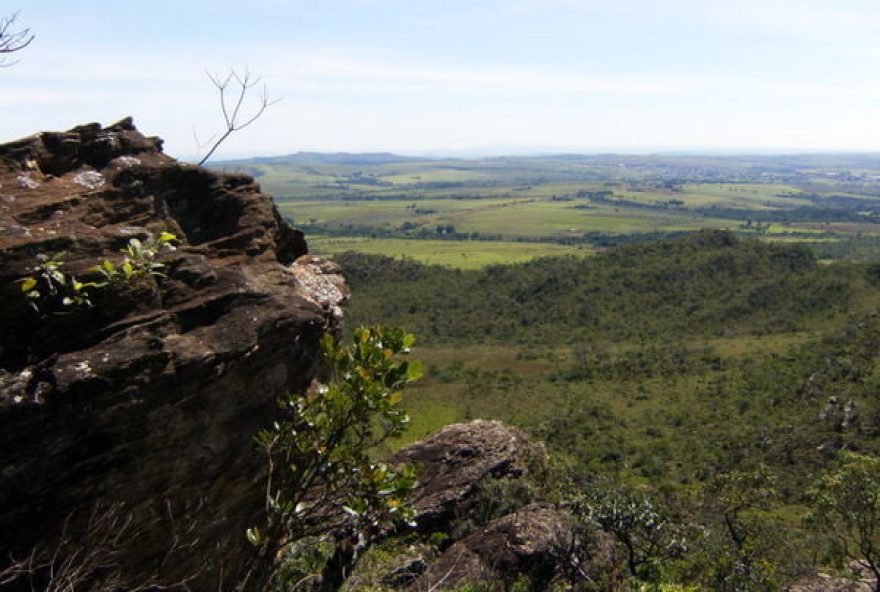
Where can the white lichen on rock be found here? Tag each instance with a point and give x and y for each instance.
(13, 387)
(126, 161)
(83, 367)
(321, 281)
(89, 179)
(25, 182)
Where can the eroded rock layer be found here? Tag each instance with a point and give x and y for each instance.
(137, 415)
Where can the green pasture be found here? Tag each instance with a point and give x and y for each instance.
(535, 198)
(520, 217)
(438, 175)
(841, 228)
(390, 213)
(357, 213)
(449, 253)
(558, 219)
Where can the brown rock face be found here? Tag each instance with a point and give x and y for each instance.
(137, 415)
(455, 459)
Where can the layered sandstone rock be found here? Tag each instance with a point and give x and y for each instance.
(137, 414)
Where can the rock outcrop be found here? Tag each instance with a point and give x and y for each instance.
(827, 583)
(132, 421)
(861, 580)
(537, 543)
(533, 542)
(456, 459)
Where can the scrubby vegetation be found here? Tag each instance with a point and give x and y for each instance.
(699, 390)
(708, 285)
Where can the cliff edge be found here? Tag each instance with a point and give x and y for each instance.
(131, 421)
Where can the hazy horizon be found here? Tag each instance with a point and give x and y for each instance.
(499, 77)
(479, 152)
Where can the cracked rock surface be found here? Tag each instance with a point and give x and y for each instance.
(147, 402)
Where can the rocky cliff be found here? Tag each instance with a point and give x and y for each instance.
(130, 422)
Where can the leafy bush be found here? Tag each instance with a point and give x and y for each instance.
(848, 509)
(322, 482)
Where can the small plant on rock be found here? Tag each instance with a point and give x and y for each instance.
(52, 289)
(139, 259)
(50, 285)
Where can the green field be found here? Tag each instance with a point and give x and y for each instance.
(592, 202)
(449, 253)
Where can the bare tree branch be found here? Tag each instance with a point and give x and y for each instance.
(12, 40)
(232, 90)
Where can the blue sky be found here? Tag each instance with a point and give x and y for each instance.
(464, 76)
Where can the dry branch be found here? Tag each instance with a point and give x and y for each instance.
(11, 40)
(232, 90)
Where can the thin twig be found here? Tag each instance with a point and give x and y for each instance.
(12, 41)
(231, 107)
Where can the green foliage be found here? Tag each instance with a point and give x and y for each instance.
(664, 587)
(52, 289)
(714, 376)
(383, 566)
(303, 564)
(651, 539)
(743, 549)
(322, 479)
(139, 259)
(708, 285)
(734, 494)
(847, 507)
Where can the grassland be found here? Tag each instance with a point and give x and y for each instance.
(448, 253)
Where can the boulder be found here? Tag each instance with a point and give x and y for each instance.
(828, 583)
(132, 421)
(862, 580)
(537, 543)
(456, 459)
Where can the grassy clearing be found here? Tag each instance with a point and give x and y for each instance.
(737, 347)
(448, 253)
